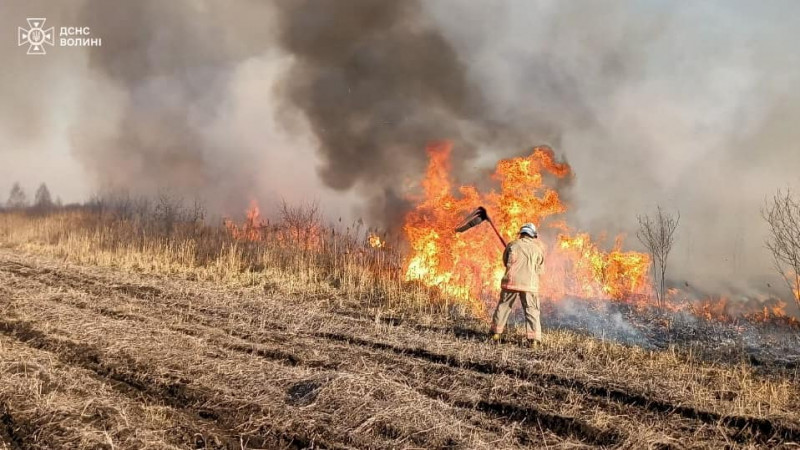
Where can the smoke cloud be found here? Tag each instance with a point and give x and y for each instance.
(377, 81)
(33, 148)
(688, 106)
(178, 99)
(169, 69)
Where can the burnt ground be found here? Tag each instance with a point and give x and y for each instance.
(97, 358)
(771, 346)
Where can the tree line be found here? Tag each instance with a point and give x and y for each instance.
(42, 199)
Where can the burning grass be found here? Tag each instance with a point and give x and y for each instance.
(468, 266)
(295, 254)
(430, 270)
(433, 269)
(353, 265)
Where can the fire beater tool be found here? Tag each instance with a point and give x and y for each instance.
(475, 218)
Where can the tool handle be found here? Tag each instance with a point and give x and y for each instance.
(503, 241)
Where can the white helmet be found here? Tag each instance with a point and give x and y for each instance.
(529, 229)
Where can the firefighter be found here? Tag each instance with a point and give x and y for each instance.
(524, 261)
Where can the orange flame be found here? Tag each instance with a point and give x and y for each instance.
(252, 227)
(375, 241)
(468, 265)
(306, 236)
(794, 282)
(712, 309)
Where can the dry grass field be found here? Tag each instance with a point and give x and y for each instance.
(115, 335)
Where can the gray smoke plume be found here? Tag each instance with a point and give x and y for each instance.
(171, 66)
(690, 106)
(377, 81)
(148, 111)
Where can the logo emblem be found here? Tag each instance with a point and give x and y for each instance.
(35, 36)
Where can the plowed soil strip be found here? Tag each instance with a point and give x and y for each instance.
(196, 426)
(763, 430)
(179, 395)
(399, 369)
(567, 426)
(44, 404)
(198, 318)
(109, 361)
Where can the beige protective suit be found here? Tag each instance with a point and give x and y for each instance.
(524, 261)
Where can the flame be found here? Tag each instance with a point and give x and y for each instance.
(754, 310)
(794, 282)
(773, 311)
(468, 265)
(296, 232)
(251, 229)
(582, 269)
(712, 309)
(375, 241)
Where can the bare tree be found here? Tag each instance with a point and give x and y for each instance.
(17, 197)
(43, 201)
(782, 213)
(657, 234)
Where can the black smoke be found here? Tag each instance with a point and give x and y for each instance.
(377, 82)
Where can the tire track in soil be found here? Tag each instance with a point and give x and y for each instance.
(175, 394)
(203, 397)
(762, 430)
(532, 417)
(559, 425)
(288, 358)
(527, 417)
(746, 428)
(186, 432)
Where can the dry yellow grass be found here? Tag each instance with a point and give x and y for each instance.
(340, 264)
(266, 344)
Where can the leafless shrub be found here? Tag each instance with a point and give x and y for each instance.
(782, 213)
(168, 211)
(303, 223)
(657, 234)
